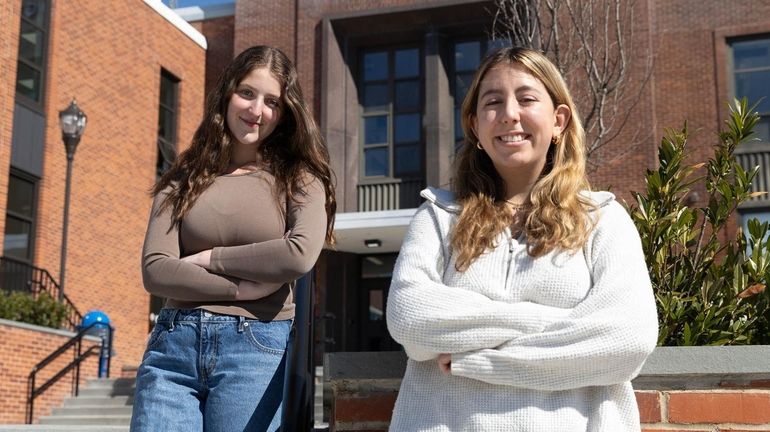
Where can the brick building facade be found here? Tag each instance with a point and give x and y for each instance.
(9, 42)
(384, 79)
(111, 57)
(391, 128)
(118, 83)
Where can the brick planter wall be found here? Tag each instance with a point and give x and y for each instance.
(705, 389)
(707, 410)
(25, 345)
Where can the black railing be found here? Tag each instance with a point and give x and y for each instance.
(389, 194)
(17, 275)
(76, 343)
(750, 155)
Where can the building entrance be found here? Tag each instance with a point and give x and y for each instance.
(355, 301)
(376, 271)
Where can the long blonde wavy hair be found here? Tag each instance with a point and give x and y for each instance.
(558, 216)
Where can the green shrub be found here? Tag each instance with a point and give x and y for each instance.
(708, 292)
(42, 310)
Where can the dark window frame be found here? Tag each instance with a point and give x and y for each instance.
(733, 71)
(167, 141)
(32, 220)
(391, 111)
(21, 98)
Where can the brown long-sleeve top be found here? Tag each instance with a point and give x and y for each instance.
(257, 252)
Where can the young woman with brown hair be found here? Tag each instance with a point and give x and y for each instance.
(236, 220)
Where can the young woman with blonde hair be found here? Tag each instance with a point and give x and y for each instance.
(521, 298)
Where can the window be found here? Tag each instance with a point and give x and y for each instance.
(168, 108)
(32, 51)
(761, 214)
(467, 58)
(391, 89)
(751, 63)
(20, 216)
(167, 120)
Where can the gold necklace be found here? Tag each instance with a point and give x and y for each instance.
(518, 206)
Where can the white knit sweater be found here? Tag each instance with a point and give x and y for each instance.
(545, 344)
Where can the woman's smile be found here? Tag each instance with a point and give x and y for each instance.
(512, 138)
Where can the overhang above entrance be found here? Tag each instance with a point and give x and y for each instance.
(354, 229)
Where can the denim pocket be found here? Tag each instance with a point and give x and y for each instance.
(157, 335)
(270, 337)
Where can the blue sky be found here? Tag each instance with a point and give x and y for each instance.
(186, 3)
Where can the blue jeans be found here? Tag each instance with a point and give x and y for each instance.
(208, 372)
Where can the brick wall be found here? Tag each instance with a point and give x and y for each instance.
(114, 75)
(220, 35)
(705, 410)
(265, 22)
(362, 412)
(701, 410)
(9, 46)
(685, 69)
(23, 347)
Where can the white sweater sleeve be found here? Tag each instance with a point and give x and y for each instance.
(429, 318)
(604, 340)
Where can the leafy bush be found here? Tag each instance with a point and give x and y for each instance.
(42, 310)
(708, 293)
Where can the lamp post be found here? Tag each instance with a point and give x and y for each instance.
(72, 122)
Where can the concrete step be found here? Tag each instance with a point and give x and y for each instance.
(62, 428)
(110, 383)
(106, 392)
(105, 405)
(319, 415)
(107, 420)
(99, 401)
(80, 410)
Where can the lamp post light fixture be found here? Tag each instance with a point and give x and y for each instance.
(72, 121)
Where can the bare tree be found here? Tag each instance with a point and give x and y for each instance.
(593, 44)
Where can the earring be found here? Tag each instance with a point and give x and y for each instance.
(555, 140)
(478, 145)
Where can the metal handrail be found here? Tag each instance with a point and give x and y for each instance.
(20, 276)
(79, 356)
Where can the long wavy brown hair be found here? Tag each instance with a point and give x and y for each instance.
(292, 151)
(558, 215)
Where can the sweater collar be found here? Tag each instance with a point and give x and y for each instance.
(445, 199)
